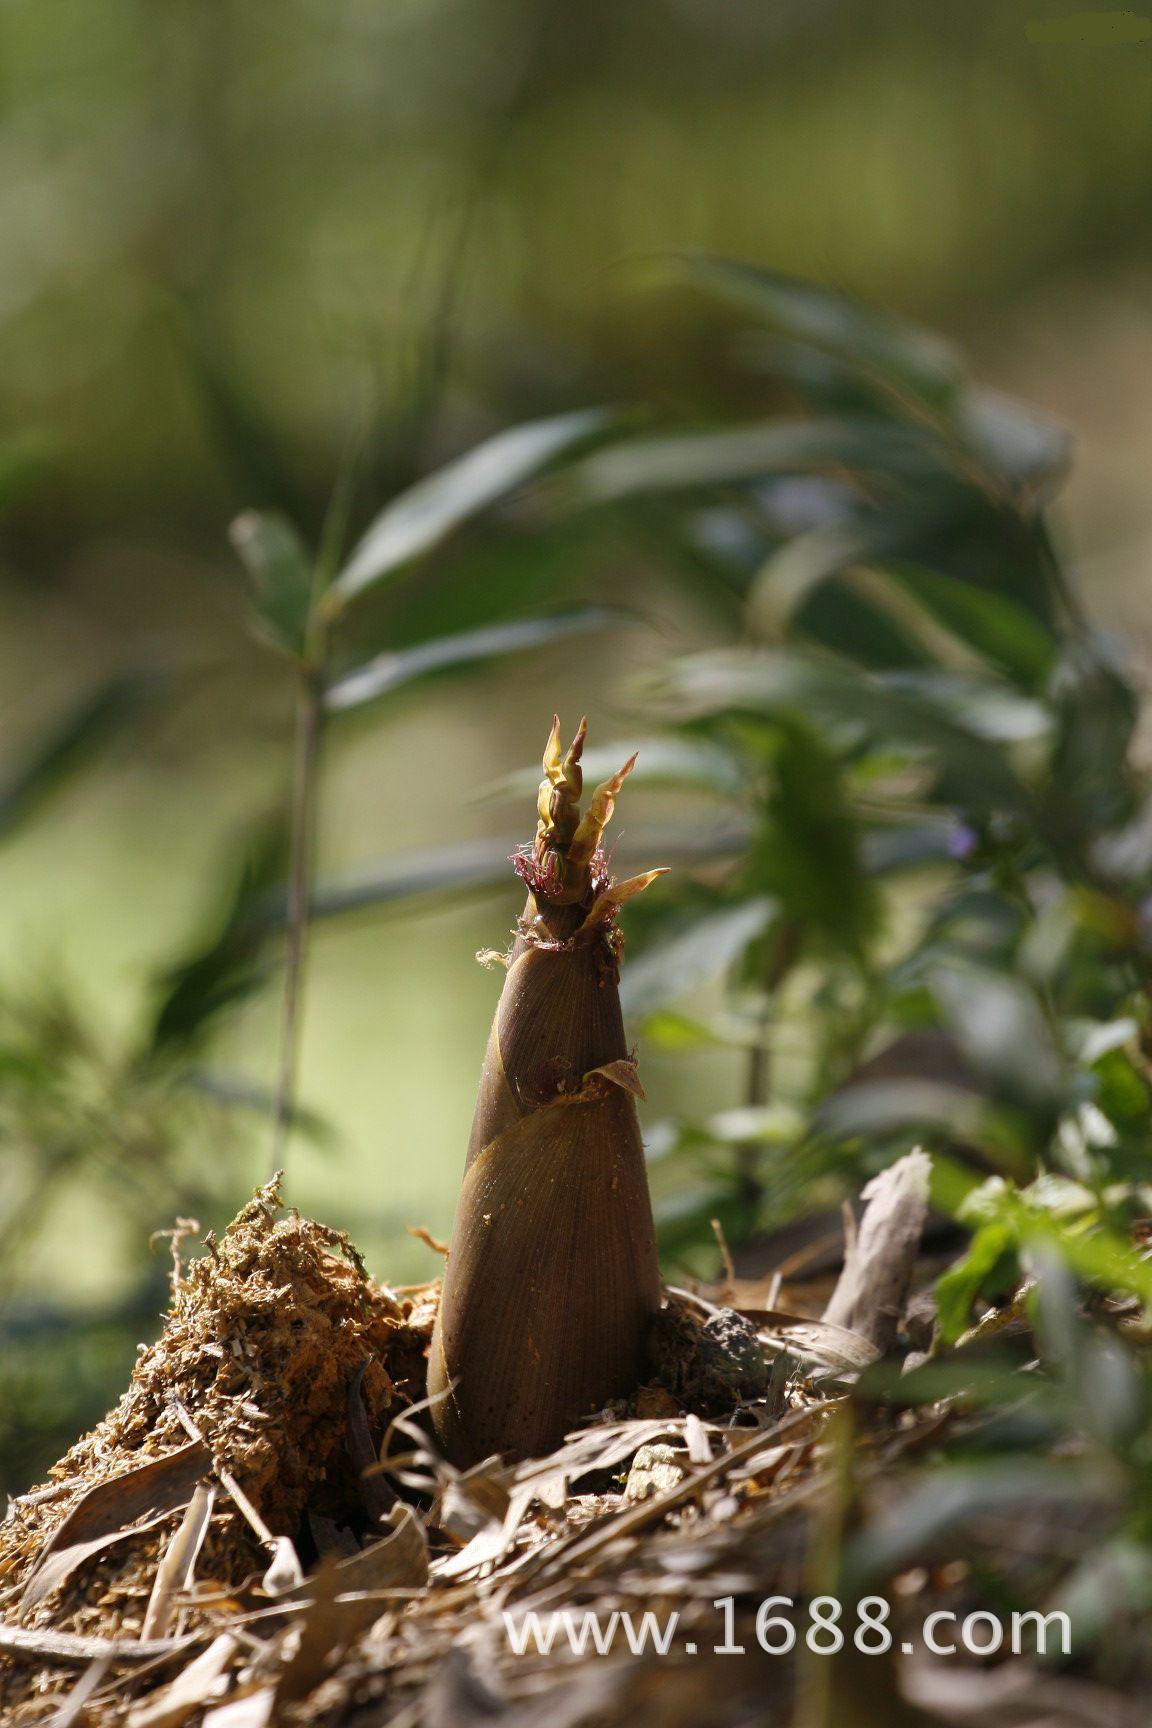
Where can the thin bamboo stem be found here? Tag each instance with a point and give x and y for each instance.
(305, 778)
(783, 947)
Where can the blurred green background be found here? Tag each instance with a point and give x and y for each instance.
(241, 240)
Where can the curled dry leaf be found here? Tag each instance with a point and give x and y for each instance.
(869, 1298)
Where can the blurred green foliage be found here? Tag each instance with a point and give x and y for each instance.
(221, 216)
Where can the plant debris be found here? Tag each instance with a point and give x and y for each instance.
(141, 1594)
(267, 1331)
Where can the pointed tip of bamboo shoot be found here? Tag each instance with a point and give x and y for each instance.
(576, 748)
(553, 756)
(564, 865)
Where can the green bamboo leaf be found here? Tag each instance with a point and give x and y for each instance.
(807, 852)
(229, 965)
(998, 1024)
(783, 583)
(476, 866)
(281, 573)
(67, 746)
(387, 672)
(945, 1501)
(930, 720)
(692, 955)
(470, 866)
(239, 427)
(898, 355)
(1021, 445)
(732, 455)
(991, 1257)
(1000, 630)
(419, 519)
(872, 1108)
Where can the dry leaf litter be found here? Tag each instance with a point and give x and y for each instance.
(260, 1533)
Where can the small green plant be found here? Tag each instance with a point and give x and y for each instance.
(303, 604)
(933, 871)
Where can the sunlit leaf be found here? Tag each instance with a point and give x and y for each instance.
(773, 1124)
(884, 708)
(989, 1266)
(419, 519)
(880, 1107)
(739, 454)
(692, 955)
(790, 575)
(387, 672)
(1020, 444)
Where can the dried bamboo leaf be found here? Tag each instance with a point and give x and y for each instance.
(178, 1564)
(114, 1510)
(398, 1561)
(191, 1689)
(331, 1622)
(250, 1711)
(75, 1705)
(72, 1648)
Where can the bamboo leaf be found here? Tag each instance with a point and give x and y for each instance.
(734, 455)
(469, 866)
(228, 966)
(419, 519)
(67, 746)
(238, 426)
(475, 866)
(893, 709)
(281, 574)
(901, 356)
(946, 1500)
(692, 955)
(807, 852)
(1018, 443)
(113, 1510)
(387, 672)
(998, 1024)
(790, 575)
(996, 626)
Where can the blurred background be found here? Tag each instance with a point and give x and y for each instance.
(249, 249)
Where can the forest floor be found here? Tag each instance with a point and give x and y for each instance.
(261, 1531)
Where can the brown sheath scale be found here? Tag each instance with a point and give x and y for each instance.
(552, 1276)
